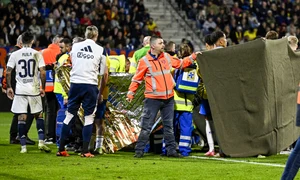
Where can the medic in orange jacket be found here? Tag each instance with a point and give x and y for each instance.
(156, 71)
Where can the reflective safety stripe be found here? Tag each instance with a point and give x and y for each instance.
(191, 58)
(158, 93)
(159, 141)
(160, 73)
(111, 69)
(184, 144)
(151, 72)
(185, 137)
(189, 103)
(137, 81)
(131, 93)
(156, 136)
(168, 59)
(133, 64)
(187, 87)
(49, 84)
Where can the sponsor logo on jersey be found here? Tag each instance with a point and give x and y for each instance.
(84, 55)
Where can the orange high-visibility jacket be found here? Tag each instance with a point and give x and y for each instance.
(49, 56)
(159, 82)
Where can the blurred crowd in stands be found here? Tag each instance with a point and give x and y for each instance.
(244, 20)
(121, 23)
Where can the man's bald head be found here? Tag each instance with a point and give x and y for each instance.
(19, 41)
(146, 40)
(56, 39)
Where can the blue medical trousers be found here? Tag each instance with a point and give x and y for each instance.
(183, 120)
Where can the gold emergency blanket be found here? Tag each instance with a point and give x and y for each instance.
(121, 118)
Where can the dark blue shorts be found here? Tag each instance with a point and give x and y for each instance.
(101, 110)
(86, 94)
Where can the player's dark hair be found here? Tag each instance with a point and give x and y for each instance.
(27, 37)
(215, 36)
(208, 40)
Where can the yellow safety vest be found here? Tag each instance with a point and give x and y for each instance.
(57, 85)
(117, 63)
(133, 65)
(106, 89)
(183, 101)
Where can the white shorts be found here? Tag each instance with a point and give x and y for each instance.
(20, 104)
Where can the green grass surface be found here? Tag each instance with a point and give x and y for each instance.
(122, 165)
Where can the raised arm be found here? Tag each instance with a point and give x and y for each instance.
(137, 79)
(183, 63)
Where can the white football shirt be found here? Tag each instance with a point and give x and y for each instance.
(26, 62)
(87, 58)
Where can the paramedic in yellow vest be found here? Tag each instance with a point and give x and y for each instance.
(62, 59)
(139, 54)
(62, 98)
(183, 118)
(117, 63)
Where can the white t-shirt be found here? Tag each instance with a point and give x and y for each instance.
(87, 57)
(27, 61)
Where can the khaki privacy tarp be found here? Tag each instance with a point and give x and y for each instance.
(252, 90)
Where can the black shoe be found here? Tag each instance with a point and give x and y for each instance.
(14, 140)
(28, 141)
(78, 150)
(138, 154)
(49, 141)
(175, 155)
(163, 155)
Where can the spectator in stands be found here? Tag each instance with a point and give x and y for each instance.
(56, 29)
(272, 35)
(156, 32)
(45, 39)
(151, 24)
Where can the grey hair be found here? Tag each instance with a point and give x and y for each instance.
(77, 39)
(56, 39)
(19, 40)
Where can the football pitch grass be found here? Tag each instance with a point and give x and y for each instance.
(121, 165)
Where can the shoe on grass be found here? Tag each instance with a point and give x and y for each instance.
(44, 148)
(23, 150)
(62, 153)
(138, 154)
(88, 155)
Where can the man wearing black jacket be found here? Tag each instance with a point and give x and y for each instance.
(14, 139)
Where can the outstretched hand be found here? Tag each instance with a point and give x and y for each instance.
(10, 93)
(128, 100)
(42, 92)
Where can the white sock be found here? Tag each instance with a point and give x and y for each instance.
(41, 142)
(209, 137)
(23, 147)
(99, 142)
